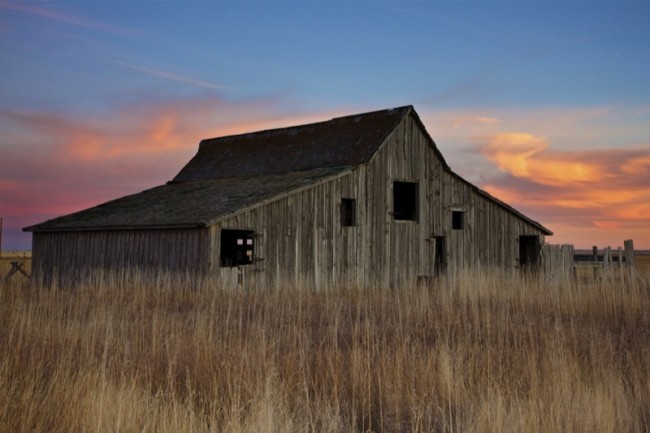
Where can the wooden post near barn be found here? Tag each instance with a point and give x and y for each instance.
(629, 256)
(606, 259)
(620, 262)
(629, 253)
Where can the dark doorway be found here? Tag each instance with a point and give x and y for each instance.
(440, 263)
(529, 249)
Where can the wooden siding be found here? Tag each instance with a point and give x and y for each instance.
(301, 241)
(70, 254)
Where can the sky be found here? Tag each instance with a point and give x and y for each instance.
(545, 105)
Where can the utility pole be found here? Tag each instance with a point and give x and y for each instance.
(0, 237)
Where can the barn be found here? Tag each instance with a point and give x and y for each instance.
(365, 199)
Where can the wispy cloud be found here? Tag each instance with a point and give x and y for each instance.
(175, 76)
(439, 19)
(30, 8)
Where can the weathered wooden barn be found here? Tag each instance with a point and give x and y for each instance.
(364, 199)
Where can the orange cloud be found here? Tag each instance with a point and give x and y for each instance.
(526, 156)
(637, 166)
(599, 190)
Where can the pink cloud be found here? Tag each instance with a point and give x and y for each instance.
(54, 164)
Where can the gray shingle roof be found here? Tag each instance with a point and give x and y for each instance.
(343, 141)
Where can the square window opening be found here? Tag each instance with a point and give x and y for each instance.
(457, 220)
(405, 201)
(237, 247)
(348, 212)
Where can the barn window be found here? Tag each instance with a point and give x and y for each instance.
(405, 201)
(457, 219)
(348, 212)
(237, 247)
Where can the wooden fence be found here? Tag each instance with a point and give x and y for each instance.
(563, 262)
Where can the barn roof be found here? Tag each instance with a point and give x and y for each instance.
(232, 173)
(343, 141)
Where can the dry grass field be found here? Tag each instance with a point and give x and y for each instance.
(481, 353)
(642, 262)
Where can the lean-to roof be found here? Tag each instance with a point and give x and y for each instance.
(187, 204)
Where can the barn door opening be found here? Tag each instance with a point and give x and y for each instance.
(440, 262)
(529, 248)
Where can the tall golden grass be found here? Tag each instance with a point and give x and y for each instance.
(482, 352)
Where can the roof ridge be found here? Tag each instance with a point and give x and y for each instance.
(206, 141)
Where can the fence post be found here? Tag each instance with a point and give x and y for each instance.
(629, 254)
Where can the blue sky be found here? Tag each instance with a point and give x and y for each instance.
(544, 104)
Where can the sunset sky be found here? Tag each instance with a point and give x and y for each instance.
(545, 105)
